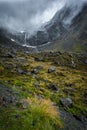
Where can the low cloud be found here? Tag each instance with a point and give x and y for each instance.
(30, 15)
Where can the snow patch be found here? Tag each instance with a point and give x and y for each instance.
(29, 46)
(12, 40)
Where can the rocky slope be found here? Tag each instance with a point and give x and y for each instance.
(46, 87)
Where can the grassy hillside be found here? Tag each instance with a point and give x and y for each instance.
(34, 87)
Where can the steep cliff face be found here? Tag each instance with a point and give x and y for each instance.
(67, 31)
(8, 40)
(76, 37)
(63, 32)
(51, 31)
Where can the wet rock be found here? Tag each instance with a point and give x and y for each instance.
(67, 102)
(52, 69)
(53, 87)
(20, 71)
(35, 71)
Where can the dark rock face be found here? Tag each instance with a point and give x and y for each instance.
(7, 96)
(71, 122)
(52, 31)
(5, 41)
(40, 38)
(60, 35)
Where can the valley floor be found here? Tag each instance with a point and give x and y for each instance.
(44, 91)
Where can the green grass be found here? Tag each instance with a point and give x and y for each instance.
(70, 82)
(40, 115)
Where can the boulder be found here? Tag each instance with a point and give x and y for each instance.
(38, 59)
(67, 102)
(28, 73)
(53, 87)
(20, 71)
(57, 63)
(52, 69)
(35, 71)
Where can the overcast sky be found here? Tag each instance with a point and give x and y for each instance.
(30, 14)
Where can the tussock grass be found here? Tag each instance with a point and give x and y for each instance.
(41, 114)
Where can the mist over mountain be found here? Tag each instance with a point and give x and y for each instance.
(29, 15)
(26, 15)
(45, 24)
(66, 31)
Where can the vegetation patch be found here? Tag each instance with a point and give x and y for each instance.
(40, 92)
